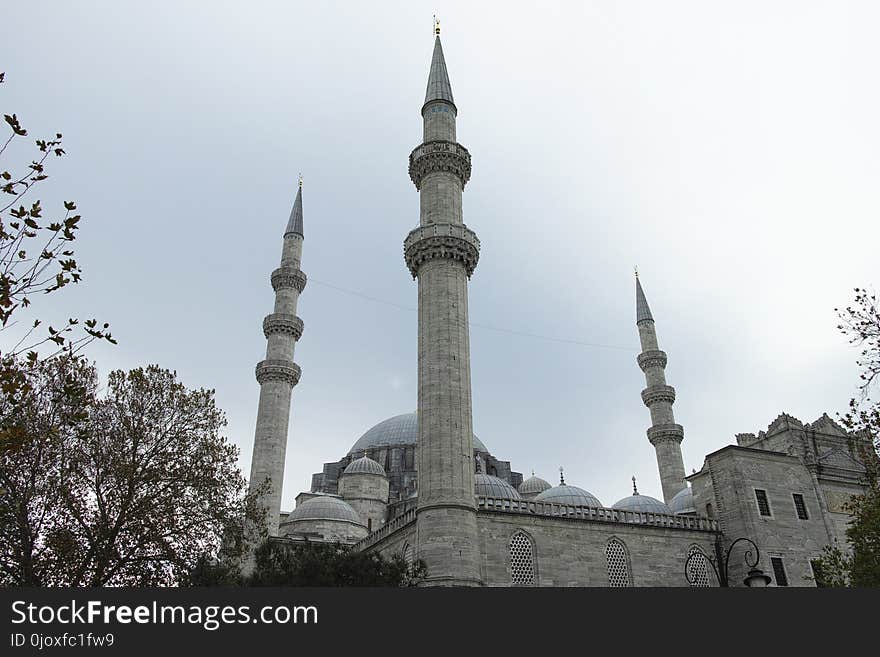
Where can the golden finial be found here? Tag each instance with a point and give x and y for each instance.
(635, 490)
(436, 25)
(300, 181)
(561, 476)
(636, 269)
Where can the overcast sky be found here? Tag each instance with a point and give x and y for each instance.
(730, 150)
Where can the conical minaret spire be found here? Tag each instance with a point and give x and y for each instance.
(442, 253)
(665, 435)
(278, 374)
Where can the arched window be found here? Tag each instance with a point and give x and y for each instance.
(618, 563)
(522, 560)
(698, 569)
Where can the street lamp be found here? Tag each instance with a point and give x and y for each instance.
(721, 564)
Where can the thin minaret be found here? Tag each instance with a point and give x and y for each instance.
(442, 254)
(665, 435)
(278, 374)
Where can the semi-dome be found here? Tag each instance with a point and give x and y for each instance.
(534, 485)
(364, 465)
(642, 504)
(397, 431)
(565, 494)
(488, 486)
(683, 502)
(324, 507)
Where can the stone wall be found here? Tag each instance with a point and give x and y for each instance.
(727, 485)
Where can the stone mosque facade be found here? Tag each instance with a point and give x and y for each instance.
(424, 486)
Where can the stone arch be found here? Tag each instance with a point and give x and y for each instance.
(698, 567)
(617, 558)
(408, 553)
(522, 559)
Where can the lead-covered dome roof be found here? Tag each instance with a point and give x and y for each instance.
(488, 486)
(565, 494)
(534, 485)
(364, 465)
(642, 504)
(397, 431)
(324, 507)
(683, 502)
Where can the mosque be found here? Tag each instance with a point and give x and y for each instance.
(424, 486)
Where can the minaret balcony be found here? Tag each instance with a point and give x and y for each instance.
(288, 277)
(278, 370)
(651, 358)
(665, 432)
(441, 241)
(655, 394)
(439, 155)
(284, 324)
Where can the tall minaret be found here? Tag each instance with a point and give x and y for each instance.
(278, 373)
(442, 253)
(665, 435)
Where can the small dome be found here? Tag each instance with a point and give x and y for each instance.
(642, 504)
(324, 507)
(565, 494)
(397, 431)
(534, 485)
(489, 486)
(683, 502)
(364, 465)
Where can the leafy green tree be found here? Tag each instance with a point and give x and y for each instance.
(133, 494)
(859, 565)
(288, 563)
(36, 257)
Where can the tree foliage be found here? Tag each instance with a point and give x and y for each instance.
(129, 488)
(285, 563)
(36, 257)
(859, 564)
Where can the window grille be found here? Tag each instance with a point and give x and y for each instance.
(763, 502)
(800, 506)
(698, 569)
(779, 571)
(522, 560)
(618, 565)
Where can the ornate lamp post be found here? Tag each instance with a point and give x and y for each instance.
(721, 564)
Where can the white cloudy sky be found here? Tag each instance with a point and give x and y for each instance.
(730, 149)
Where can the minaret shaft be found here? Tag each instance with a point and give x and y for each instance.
(442, 253)
(278, 374)
(658, 396)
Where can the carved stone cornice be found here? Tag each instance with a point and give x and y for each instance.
(654, 394)
(651, 358)
(452, 241)
(278, 370)
(439, 155)
(663, 432)
(283, 323)
(288, 277)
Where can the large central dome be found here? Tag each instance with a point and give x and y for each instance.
(397, 431)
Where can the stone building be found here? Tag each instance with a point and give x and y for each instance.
(421, 484)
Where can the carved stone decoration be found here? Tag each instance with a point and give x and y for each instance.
(662, 432)
(656, 394)
(653, 358)
(453, 241)
(288, 277)
(278, 370)
(283, 323)
(439, 155)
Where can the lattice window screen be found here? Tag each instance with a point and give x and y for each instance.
(522, 560)
(698, 569)
(618, 565)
